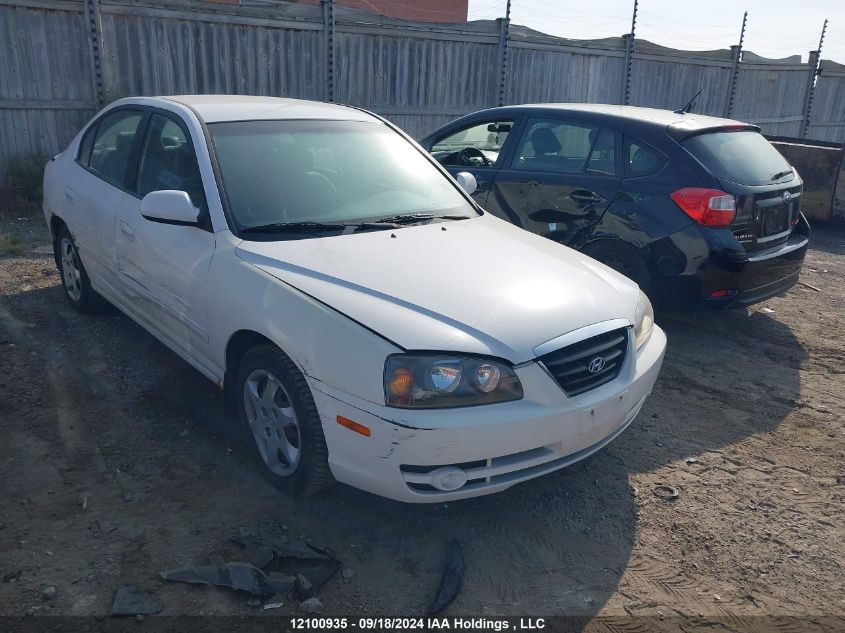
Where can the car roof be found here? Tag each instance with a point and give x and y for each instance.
(217, 108)
(686, 122)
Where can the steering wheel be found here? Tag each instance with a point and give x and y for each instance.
(470, 156)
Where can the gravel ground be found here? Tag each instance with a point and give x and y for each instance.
(116, 462)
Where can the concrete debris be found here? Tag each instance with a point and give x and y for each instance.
(312, 605)
(131, 601)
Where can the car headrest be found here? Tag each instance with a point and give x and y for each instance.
(544, 141)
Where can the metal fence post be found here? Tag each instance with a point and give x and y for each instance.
(93, 24)
(503, 53)
(328, 33)
(813, 62)
(737, 58)
(629, 57)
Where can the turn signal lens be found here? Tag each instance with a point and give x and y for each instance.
(708, 207)
(353, 426)
(401, 383)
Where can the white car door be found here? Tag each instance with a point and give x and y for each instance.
(98, 189)
(164, 265)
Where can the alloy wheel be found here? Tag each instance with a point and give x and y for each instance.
(71, 273)
(273, 421)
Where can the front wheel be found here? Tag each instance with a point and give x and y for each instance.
(278, 414)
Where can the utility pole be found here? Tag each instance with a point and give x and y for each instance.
(629, 57)
(95, 48)
(328, 33)
(503, 50)
(814, 61)
(735, 72)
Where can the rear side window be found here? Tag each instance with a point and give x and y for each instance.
(551, 145)
(113, 145)
(641, 159)
(743, 157)
(85, 146)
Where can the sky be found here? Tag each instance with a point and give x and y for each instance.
(776, 28)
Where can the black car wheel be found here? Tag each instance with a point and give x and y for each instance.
(622, 258)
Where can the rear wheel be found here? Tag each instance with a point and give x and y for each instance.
(623, 259)
(278, 414)
(75, 282)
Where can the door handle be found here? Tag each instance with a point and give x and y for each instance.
(127, 231)
(69, 194)
(583, 195)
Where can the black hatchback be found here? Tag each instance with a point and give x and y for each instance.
(699, 211)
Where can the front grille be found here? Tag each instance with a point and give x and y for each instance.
(570, 365)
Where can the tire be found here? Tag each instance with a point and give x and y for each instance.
(623, 259)
(282, 426)
(75, 283)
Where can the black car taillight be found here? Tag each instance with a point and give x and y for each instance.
(708, 207)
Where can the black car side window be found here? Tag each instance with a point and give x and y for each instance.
(564, 147)
(477, 145)
(113, 145)
(168, 161)
(641, 159)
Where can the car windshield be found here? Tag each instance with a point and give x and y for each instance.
(282, 172)
(745, 157)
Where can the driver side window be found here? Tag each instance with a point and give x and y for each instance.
(475, 146)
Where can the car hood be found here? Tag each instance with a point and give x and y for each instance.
(479, 286)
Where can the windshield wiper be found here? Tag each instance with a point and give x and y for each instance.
(411, 218)
(781, 174)
(313, 227)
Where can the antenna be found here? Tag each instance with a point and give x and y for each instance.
(689, 106)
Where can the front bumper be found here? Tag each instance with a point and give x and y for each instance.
(493, 446)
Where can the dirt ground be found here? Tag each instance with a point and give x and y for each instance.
(116, 462)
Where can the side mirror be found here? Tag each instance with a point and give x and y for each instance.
(467, 182)
(169, 206)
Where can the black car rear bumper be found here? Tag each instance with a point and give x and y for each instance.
(731, 278)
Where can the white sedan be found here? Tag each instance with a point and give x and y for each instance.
(365, 320)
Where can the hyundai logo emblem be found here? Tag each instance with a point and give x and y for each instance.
(596, 365)
(787, 197)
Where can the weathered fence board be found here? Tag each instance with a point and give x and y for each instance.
(418, 75)
(827, 120)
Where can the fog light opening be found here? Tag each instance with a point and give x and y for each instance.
(448, 478)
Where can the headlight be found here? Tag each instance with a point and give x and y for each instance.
(429, 381)
(644, 320)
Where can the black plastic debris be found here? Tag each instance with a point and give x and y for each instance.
(261, 551)
(309, 582)
(450, 581)
(238, 576)
(131, 601)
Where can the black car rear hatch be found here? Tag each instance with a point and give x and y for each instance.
(767, 189)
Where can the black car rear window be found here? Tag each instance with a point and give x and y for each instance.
(743, 156)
